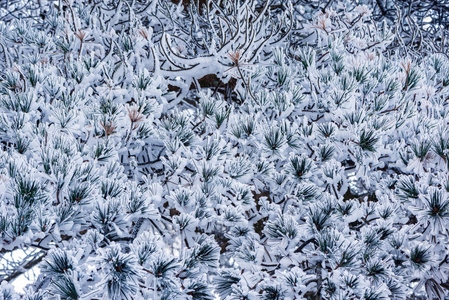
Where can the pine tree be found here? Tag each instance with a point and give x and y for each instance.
(222, 150)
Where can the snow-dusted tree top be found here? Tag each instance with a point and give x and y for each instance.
(221, 150)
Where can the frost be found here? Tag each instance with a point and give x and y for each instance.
(223, 150)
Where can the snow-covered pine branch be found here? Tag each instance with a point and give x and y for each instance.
(221, 150)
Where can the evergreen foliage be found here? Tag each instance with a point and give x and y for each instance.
(222, 150)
